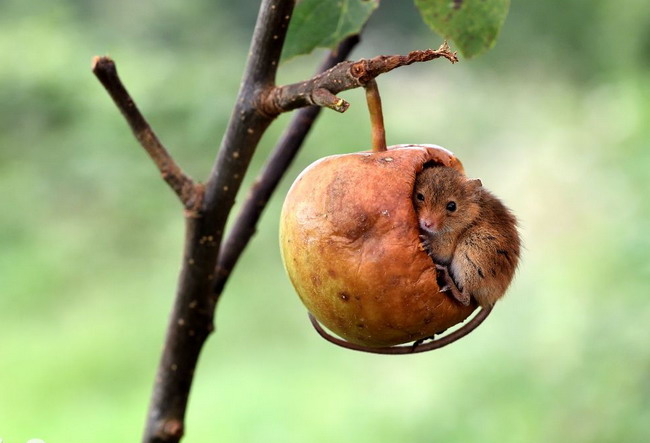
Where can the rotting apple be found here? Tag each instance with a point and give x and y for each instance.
(350, 244)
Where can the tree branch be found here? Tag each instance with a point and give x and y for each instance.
(248, 121)
(192, 317)
(320, 90)
(259, 101)
(105, 70)
(272, 172)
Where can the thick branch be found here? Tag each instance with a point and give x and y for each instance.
(248, 121)
(192, 317)
(320, 90)
(105, 70)
(274, 169)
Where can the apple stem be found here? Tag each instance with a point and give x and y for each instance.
(376, 116)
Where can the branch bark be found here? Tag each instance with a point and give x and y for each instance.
(105, 70)
(321, 89)
(273, 170)
(191, 320)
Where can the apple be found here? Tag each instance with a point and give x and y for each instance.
(350, 244)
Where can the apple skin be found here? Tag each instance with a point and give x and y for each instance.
(350, 244)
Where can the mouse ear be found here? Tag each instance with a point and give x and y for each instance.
(475, 183)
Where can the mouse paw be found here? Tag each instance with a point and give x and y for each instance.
(425, 244)
(450, 286)
(417, 343)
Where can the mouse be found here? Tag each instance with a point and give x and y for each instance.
(470, 235)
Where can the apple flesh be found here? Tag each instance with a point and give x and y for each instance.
(350, 244)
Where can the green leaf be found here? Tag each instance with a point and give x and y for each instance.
(324, 23)
(473, 25)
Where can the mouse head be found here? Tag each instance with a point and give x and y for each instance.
(445, 200)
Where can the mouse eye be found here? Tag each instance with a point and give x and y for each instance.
(451, 206)
(419, 196)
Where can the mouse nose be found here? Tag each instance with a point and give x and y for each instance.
(430, 225)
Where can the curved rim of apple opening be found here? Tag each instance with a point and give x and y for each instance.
(417, 347)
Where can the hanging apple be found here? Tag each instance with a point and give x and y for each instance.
(350, 244)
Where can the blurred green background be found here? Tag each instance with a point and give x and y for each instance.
(554, 120)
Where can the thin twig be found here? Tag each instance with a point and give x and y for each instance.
(409, 349)
(320, 90)
(105, 70)
(273, 170)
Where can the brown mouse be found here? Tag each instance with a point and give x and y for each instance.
(470, 235)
